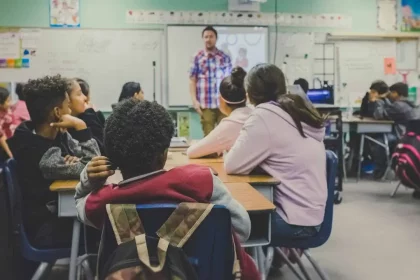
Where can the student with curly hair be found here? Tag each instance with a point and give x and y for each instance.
(44, 153)
(137, 139)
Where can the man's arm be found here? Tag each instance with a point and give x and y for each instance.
(193, 85)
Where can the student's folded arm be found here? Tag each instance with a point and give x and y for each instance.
(53, 166)
(216, 142)
(239, 216)
(83, 189)
(83, 145)
(250, 149)
(380, 113)
(396, 112)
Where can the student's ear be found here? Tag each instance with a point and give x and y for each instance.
(56, 114)
(162, 159)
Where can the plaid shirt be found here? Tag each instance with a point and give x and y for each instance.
(209, 69)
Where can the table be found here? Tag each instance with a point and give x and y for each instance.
(256, 199)
(365, 126)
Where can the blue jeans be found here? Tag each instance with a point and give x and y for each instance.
(280, 229)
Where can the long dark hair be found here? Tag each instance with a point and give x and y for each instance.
(128, 90)
(84, 86)
(232, 88)
(266, 83)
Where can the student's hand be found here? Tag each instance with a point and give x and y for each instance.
(385, 95)
(71, 159)
(68, 121)
(373, 96)
(99, 168)
(197, 107)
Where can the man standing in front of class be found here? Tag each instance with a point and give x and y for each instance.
(209, 68)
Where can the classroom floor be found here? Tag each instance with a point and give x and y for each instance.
(374, 237)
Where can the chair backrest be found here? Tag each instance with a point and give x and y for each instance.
(15, 204)
(326, 227)
(210, 248)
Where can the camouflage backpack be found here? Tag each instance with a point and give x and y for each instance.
(141, 257)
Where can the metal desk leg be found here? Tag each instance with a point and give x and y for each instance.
(362, 145)
(388, 159)
(343, 159)
(261, 263)
(74, 249)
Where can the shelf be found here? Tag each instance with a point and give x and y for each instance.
(373, 36)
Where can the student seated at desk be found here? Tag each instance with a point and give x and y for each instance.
(232, 104)
(130, 90)
(80, 109)
(20, 111)
(284, 137)
(84, 86)
(137, 139)
(396, 107)
(44, 154)
(378, 89)
(7, 121)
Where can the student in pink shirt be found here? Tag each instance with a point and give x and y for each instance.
(233, 104)
(284, 137)
(20, 112)
(7, 127)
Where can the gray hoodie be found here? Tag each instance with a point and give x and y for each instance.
(269, 139)
(399, 111)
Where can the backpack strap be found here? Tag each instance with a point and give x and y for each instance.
(125, 221)
(127, 226)
(183, 222)
(236, 269)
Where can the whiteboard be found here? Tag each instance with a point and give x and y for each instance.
(106, 59)
(294, 55)
(360, 63)
(183, 42)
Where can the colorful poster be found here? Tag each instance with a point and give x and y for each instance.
(410, 11)
(65, 13)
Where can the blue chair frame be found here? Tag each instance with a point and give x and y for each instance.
(46, 257)
(326, 227)
(209, 249)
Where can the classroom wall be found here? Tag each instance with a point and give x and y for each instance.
(111, 14)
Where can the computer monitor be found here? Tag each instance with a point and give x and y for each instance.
(321, 96)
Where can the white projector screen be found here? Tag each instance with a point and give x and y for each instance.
(185, 41)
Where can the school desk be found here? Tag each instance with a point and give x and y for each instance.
(258, 207)
(364, 126)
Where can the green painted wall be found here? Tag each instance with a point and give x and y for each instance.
(111, 14)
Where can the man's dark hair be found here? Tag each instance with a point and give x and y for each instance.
(42, 95)
(380, 86)
(19, 91)
(303, 84)
(209, 28)
(4, 94)
(136, 136)
(400, 88)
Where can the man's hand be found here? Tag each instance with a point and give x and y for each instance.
(68, 121)
(197, 107)
(71, 159)
(99, 168)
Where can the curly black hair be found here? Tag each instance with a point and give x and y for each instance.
(137, 134)
(19, 91)
(43, 94)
